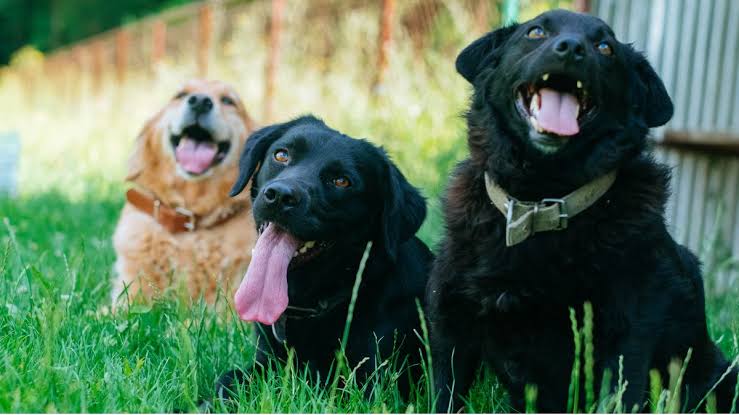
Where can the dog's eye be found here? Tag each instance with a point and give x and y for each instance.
(225, 100)
(341, 181)
(282, 156)
(536, 32)
(605, 49)
(180, 95)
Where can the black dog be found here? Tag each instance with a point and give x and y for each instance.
(560, 106)
(318, 197)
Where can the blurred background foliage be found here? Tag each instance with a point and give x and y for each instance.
(48, 24)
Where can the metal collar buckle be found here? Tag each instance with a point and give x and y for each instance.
(190, 224)
(510, 206)
(563, 215)
(509, 215)
(157, 205)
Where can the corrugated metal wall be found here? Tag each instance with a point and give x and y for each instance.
(693, 46)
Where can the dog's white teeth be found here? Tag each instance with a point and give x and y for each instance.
(295, 254)
(534, 105)
(545, 77)
(579, 84)
(303, 250)
(577, 111)
(535, 124)
(310, 244)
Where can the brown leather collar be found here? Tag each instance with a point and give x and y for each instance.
(177, 220)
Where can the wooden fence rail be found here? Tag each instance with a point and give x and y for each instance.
(144, 46)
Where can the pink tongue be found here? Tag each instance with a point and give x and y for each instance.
(262, 295)
(558, 112)
(195, 157)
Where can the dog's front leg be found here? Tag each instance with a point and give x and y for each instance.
(268, 352)
(635, 369)
(454, 364)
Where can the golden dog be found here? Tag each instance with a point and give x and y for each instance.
(179, 226)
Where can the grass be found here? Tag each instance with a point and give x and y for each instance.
(60, 348)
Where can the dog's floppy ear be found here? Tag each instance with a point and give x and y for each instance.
(480, 52)
(403, 212)
(136, 158)
(136, 161)
(255, 148)
(658, 107)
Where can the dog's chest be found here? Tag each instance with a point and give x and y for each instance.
(517, 343)
(537, 347)
(139, 237)
(513, 283)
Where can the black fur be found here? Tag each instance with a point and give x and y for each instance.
(508, 306)
(379, 206)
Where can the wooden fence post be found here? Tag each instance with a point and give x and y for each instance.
(54, 71)
(205, 37)
(482, 16)
(582, 6)
(96, 67)
(122, 43)
(66, 72)
(79, 69)
(273, 58)
(158, 44)
(385, 42)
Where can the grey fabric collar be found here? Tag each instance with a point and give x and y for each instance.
(524, 219)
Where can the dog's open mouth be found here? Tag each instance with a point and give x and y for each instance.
(554, 104)
(306, 251)
(196, 151)
(262, 295)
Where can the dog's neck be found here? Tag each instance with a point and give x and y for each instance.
(637, 171)
(202, 197)
(525, 177)
(339, 266)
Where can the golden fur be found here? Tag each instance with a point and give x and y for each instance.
(149, 257)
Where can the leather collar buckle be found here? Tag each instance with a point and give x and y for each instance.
(563, 215)
(191, 223)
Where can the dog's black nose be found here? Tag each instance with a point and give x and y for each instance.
(569, 48)
(199, 103)
(282, 196)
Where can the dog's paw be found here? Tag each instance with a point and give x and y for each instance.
(501, 302)
(227, 384)
(226, 392)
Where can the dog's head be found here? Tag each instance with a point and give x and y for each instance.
(561, 85)
(325, 188)
(318, 196)
(201, 129)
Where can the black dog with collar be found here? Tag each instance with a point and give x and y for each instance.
(559, 103)
(324, 195)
